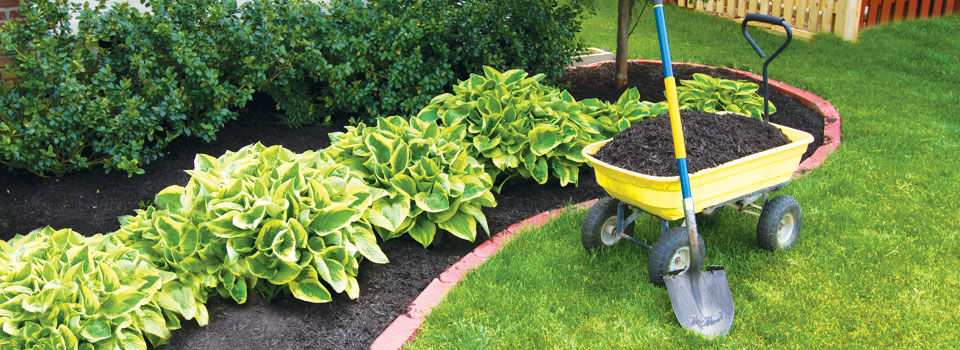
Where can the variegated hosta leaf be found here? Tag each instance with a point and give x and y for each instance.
(61, 290)
(423, 170)
(709, 94)
(515, 125)
(261, 213)
(612, 118)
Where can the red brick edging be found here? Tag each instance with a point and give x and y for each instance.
(405, 326)
(831, 118)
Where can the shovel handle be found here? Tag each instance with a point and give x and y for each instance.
(679, 146)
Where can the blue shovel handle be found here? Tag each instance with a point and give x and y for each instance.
(679, 146)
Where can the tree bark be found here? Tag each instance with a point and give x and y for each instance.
(623, 31)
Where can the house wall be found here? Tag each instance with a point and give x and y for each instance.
(9, 9)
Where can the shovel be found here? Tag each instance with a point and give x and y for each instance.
(701, 299)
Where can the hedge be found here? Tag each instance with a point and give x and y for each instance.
(117, 89)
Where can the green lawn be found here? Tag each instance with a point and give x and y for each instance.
(876, 265)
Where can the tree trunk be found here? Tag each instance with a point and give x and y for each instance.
(623, 31)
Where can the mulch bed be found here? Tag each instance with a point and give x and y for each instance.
(711, 140)
(91, 201)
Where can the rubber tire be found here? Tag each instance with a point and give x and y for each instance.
(598, 214)
(769, 224)
(661, 255)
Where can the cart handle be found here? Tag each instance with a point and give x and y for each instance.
(756, 17)
(777, 21)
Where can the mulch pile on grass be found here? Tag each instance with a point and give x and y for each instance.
(712, 139)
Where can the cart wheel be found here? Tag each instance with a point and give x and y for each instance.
(670, 253)
(600, 224)
(779, 224)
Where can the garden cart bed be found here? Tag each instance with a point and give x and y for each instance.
(660, 195)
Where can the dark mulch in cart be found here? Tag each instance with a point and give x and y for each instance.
(648, 79)
(711, 140)
(90, 202)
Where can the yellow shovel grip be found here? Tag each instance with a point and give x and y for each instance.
(679, 146)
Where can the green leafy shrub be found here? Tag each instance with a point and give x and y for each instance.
(534, 35)
(261, 213)
(285, 48)
(516, 125)
(612, 118)
(115, 91)
(119, 88)
(709, 94)
(430, 179)
(61, 290)
(369, 58)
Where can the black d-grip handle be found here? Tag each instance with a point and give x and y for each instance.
(777, 21)
(759, 17)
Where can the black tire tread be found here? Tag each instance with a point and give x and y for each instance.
(663, 249)
(593, 222)
(769, 222)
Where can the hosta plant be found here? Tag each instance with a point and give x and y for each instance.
(61, 290)
(709, 94)
(612, 118)
(430, 179)
(517, 126)
(262, 217)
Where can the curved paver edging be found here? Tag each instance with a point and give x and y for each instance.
(405, 326)
(831, 118)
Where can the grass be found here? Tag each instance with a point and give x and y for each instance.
(876, 265)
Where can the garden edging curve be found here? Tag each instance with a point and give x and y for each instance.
(405, 327)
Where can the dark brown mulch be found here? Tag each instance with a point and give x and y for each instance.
(648, 79)
(91, 201)
(711, 140)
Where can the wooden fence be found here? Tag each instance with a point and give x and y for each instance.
(844, 18)
(874, 12)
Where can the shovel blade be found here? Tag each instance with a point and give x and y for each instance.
(701, 300)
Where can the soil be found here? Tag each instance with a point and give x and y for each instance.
(648, 79)
(90, 202)
(711, 140)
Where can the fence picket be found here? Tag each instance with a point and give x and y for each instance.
(912, 9)
(873, 15)
(898, 13)
(801, 15)
(813, 19)
(826, 19)
(884, 11)
(788, 11)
